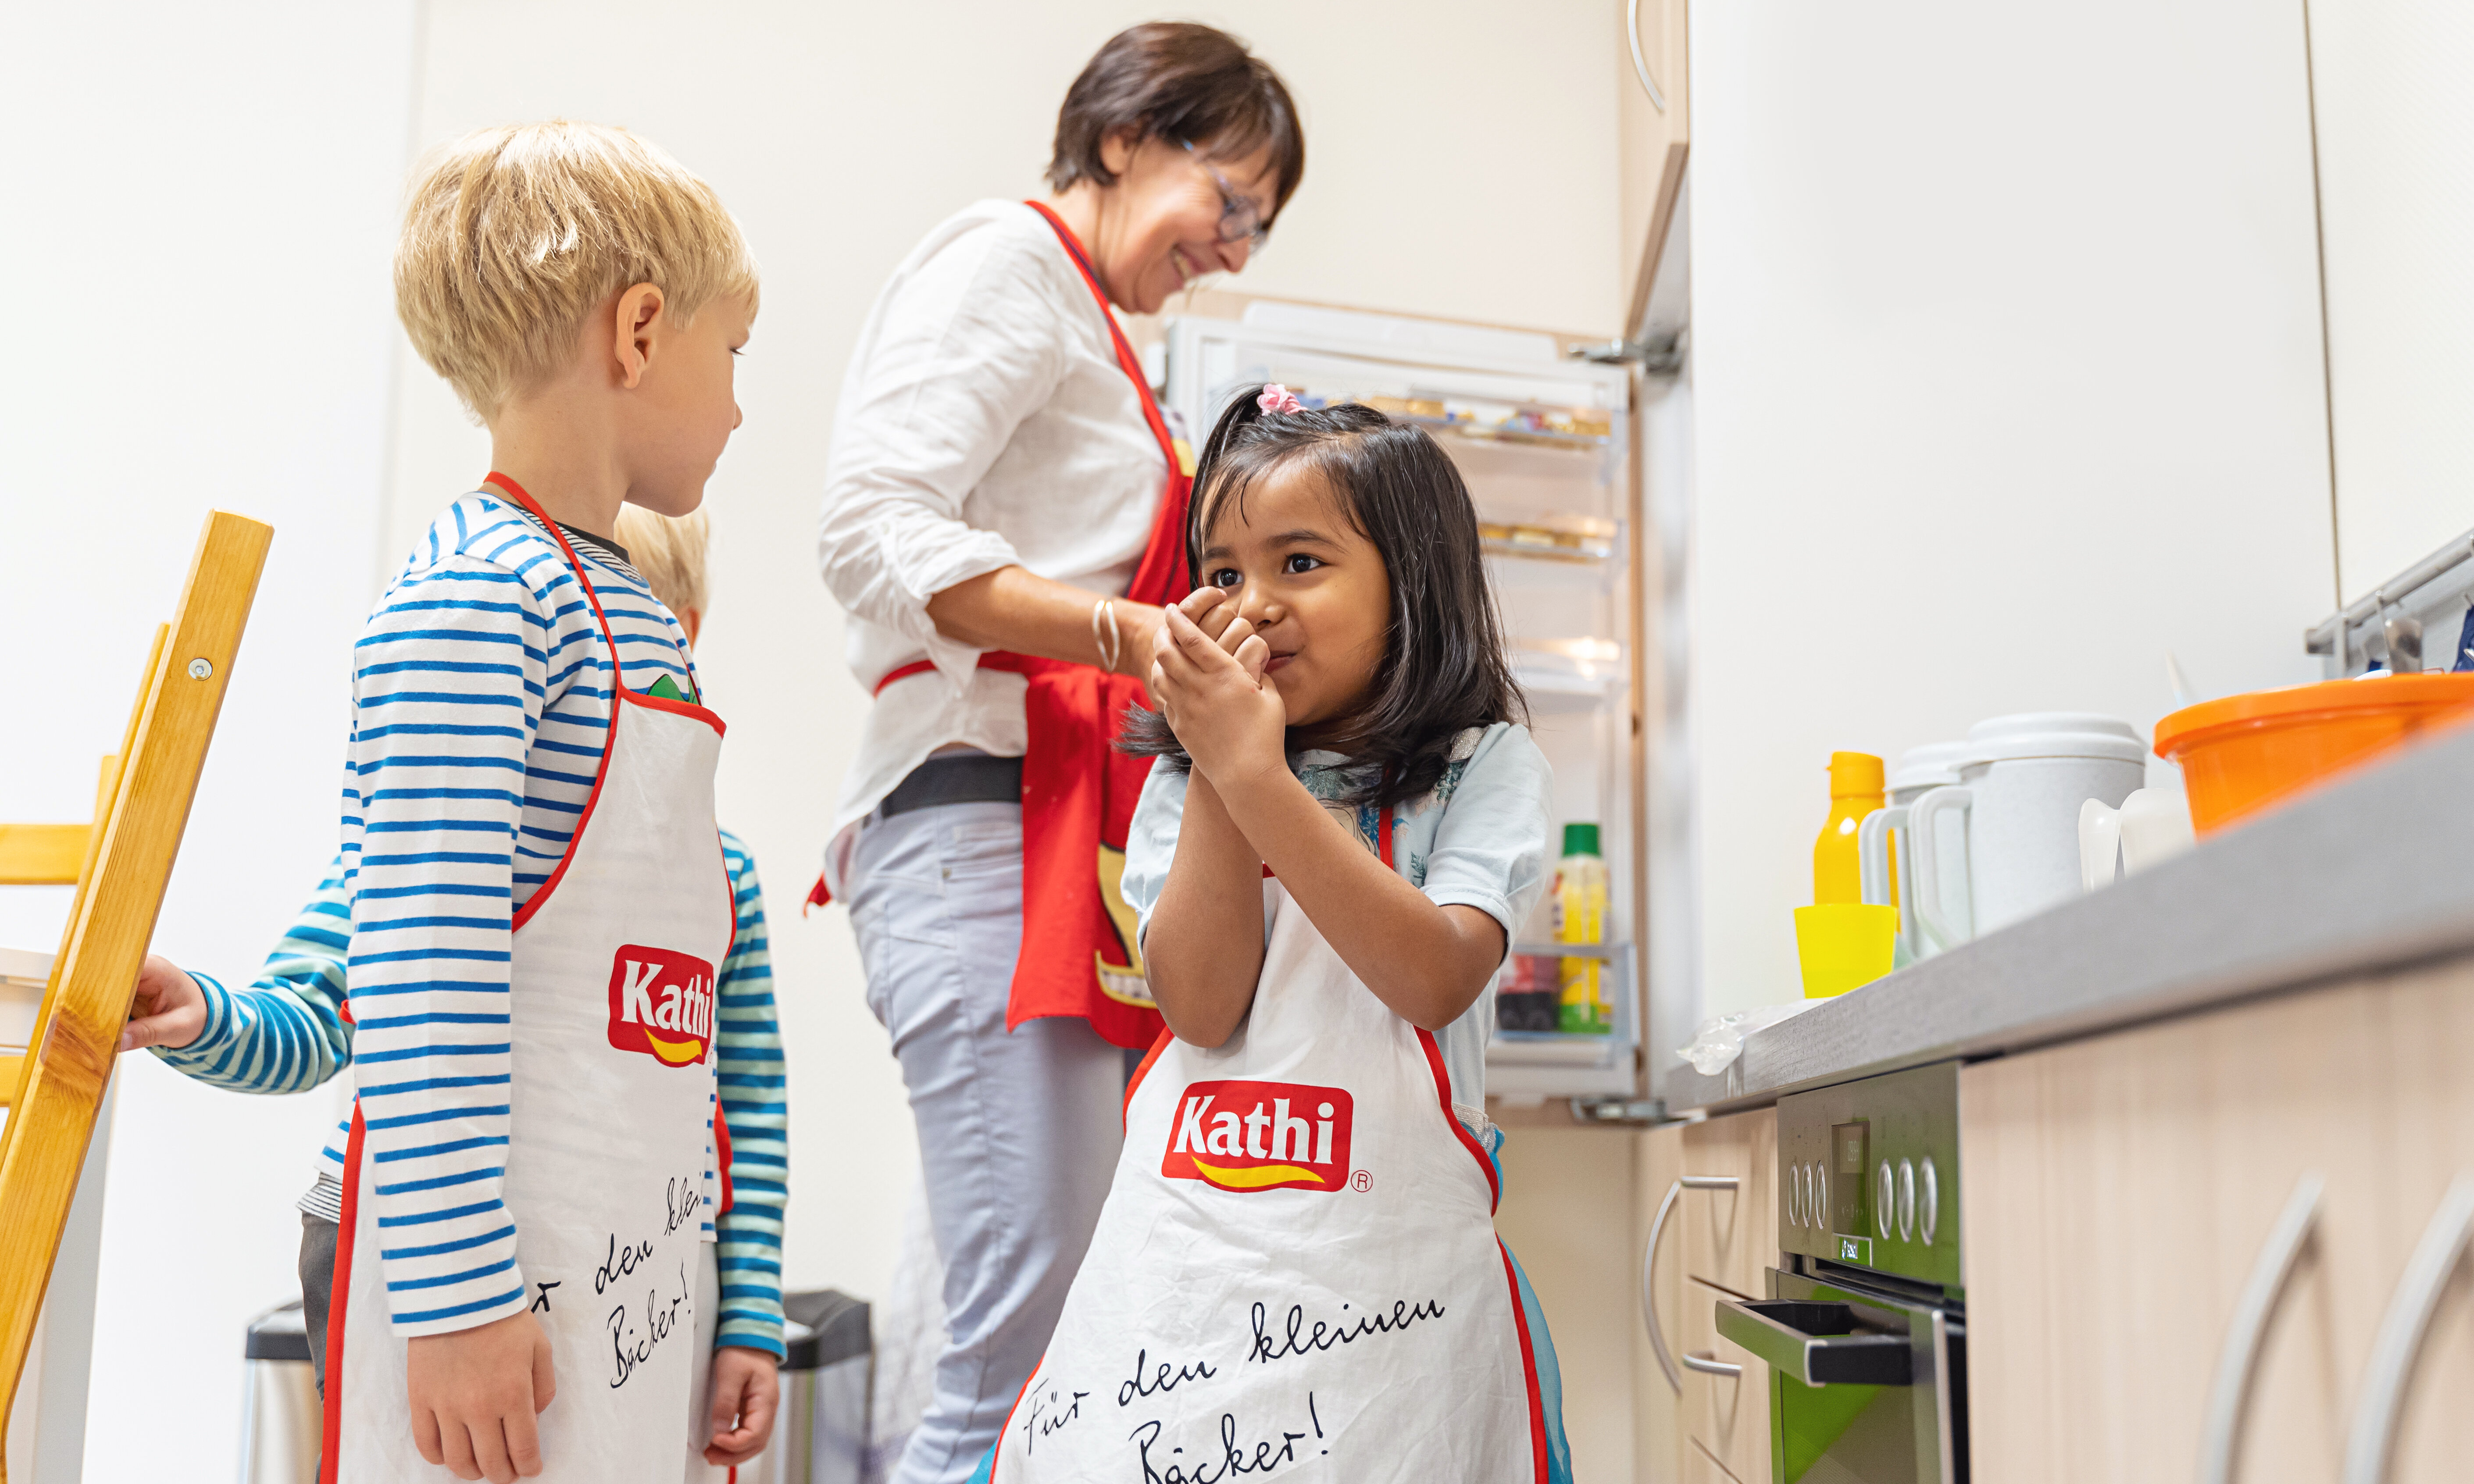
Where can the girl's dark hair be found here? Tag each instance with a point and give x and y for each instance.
(1185, 84)
(1443, 667)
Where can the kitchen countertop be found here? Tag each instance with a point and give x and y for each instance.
(2373, 872)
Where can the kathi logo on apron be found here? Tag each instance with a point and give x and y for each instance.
(660, 1004)
(1267, 1147)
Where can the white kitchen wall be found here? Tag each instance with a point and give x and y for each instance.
(201, 198)
(2397, 164)
(841, 134)
(2006, 377)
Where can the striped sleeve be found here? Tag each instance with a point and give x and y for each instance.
(753, 1100)
(285, 1032)
(450, 679)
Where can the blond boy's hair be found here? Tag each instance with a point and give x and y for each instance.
(668, 551)
(512, 236)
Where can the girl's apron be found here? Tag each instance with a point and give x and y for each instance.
(1297, 1270)
(614, 964)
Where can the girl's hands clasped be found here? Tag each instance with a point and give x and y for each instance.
(1207, 679)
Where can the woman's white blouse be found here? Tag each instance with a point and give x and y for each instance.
(984, 422)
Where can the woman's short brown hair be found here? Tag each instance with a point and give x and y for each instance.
(1185, 83)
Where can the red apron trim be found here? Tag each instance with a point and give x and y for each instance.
(1528, 1363)
(339, 1302)
(721, 1153)
(1142, 1071)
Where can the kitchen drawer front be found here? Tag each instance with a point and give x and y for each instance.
(1731, 1237)
(1729, 1416)
(1699, 1468)
(1658, 1421)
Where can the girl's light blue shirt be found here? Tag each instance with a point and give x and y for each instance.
(1479, 840)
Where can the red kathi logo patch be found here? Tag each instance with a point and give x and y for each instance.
(660, 1004)
(1249, 1136)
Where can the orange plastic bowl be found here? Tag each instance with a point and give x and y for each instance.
(2241, 753)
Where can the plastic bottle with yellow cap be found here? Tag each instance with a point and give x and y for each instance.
(1840, 942)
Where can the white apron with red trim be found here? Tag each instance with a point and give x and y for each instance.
(614, 965)
(1296, 1272)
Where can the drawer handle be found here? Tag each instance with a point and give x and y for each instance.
(2229, 1395)
(1649, 1268)
(2399, 1341)
(1709, 1365)
(1817, 1343)
(1640, 63)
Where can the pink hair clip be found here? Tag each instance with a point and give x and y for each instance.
(1276, 397)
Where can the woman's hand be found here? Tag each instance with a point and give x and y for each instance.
(1210, 687)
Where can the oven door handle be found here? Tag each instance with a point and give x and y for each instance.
(1818, 1343)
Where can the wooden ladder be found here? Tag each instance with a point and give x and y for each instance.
(120, 865)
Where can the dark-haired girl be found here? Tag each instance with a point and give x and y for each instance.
(1297, 1259)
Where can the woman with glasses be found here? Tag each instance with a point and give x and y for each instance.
(1004, 516)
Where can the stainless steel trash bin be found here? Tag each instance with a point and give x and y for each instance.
(821, 1436)
(281, 1418)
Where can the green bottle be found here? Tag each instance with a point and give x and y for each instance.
(1581, 917)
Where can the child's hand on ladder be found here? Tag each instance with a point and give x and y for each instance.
(169, 1010)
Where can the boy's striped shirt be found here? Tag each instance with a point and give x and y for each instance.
(286, 1034)
(482, 691)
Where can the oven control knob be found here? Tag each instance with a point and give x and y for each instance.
(1885, 1199)
(1907, 1201)
(1817, 1204)
(1929, 1199)
(1795, 1195)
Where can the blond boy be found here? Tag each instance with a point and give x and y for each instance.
(533, 880)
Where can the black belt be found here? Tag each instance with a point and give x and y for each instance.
(963, 779)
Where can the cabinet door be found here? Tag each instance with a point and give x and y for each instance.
(2118, 1194)
(1657, 1423)
(1699, 1468)
(1656, 138)
(1728, 1415)
(1729, 1237)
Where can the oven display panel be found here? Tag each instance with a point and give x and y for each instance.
(1850, 1209)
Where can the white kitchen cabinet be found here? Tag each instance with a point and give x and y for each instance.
(1655, 116)
(2119, 1193)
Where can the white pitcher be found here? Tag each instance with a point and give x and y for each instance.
(2151, 825)
(2020, 790)
(1919, 770)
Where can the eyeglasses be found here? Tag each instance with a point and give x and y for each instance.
(1239, 219)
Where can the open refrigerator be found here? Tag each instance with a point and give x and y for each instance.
(1543, 443)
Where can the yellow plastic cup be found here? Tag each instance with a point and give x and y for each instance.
(1843, 945)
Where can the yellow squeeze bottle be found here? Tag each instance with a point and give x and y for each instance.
(1840, 943)
(1854, 791)
(1581, 917)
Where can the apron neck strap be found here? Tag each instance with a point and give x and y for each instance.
(1383, 827)
(1160, 576)
(576, 564)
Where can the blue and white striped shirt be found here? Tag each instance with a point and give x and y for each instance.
(286, 1034)
(481, 699)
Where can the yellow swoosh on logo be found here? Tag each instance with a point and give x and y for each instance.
(1256, 1177)
(672, 1052)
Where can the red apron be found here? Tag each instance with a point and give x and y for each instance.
(1078, 955)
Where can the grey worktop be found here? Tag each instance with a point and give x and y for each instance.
(2373, 872)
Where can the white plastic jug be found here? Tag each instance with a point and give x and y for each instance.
(2151, 825)
(1919, 770)
(2020, 788)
